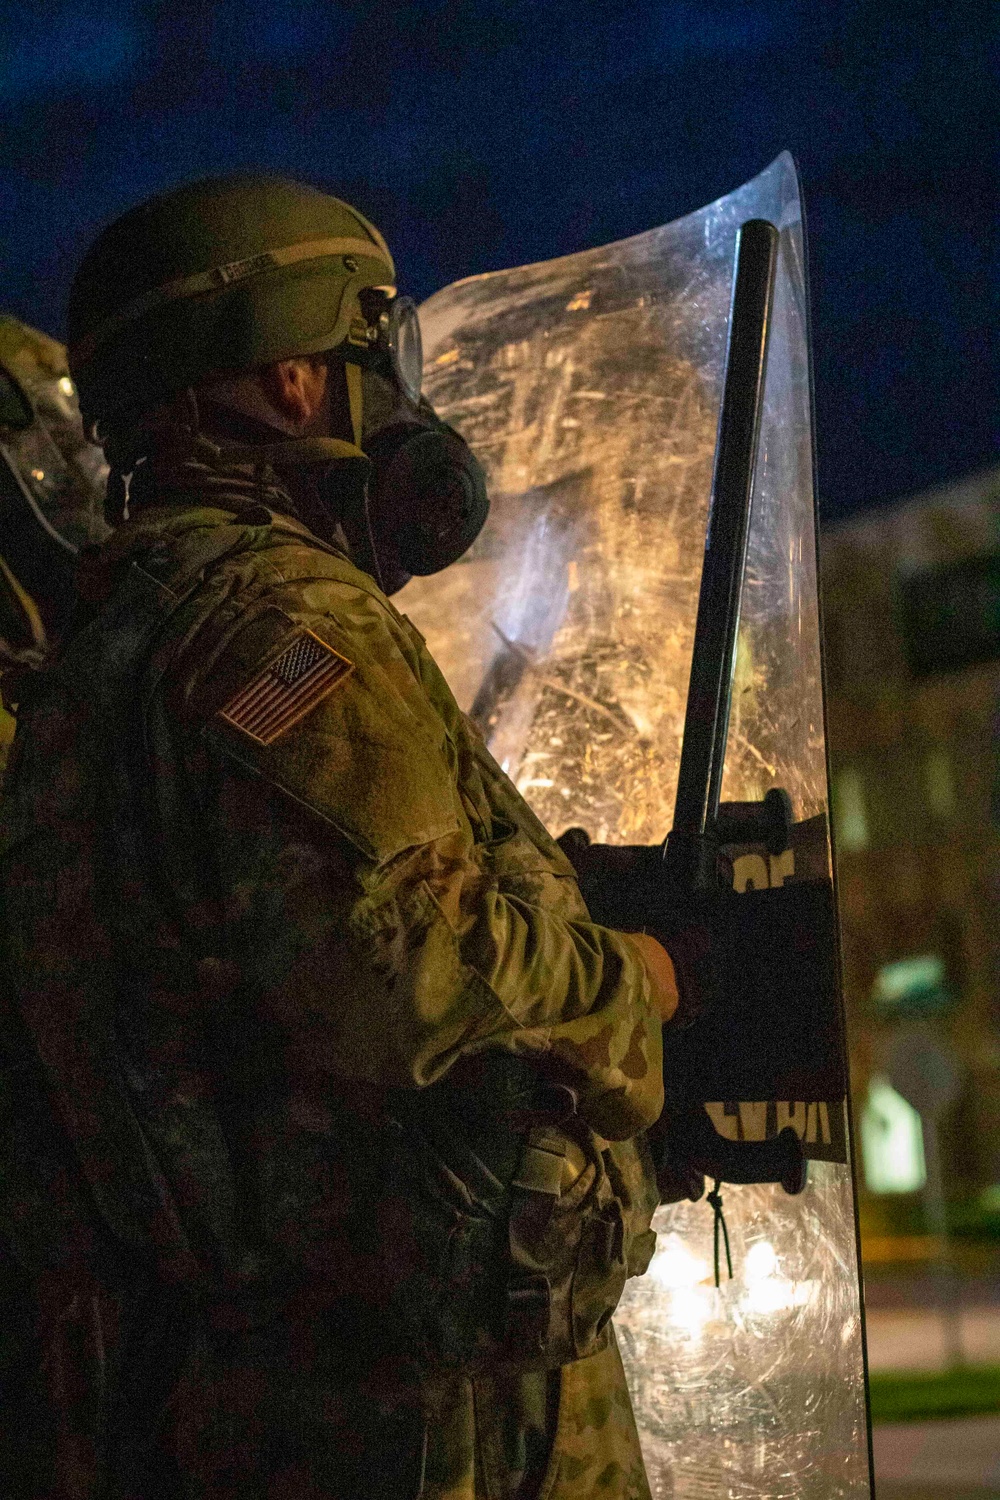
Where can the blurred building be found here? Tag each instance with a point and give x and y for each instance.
(912, 617)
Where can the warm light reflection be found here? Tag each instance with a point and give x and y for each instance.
(689, 1304)
(772, 1294)
(767, 1292)
(674, 1266)
(761, 1262)
(689, 1311)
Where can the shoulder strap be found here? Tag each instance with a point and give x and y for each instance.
(121, 637)
(119, 640)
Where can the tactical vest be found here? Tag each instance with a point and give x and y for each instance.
(496, 1226)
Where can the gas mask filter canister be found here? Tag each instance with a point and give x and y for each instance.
(425, 502)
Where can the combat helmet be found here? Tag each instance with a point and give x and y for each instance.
(217, 277)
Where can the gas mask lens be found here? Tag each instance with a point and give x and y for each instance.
(406, 350)
(391, 343)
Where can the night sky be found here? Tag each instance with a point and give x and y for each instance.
(487, 133)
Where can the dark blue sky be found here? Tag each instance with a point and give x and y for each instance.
(485, 133)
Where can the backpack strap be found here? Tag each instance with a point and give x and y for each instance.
(119, 640)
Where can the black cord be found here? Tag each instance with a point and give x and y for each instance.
(715, 1199)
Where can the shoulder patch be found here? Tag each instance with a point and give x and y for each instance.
(304, 672)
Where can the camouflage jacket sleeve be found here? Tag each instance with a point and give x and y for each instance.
(366, 887)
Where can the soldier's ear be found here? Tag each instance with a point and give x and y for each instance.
(298, 390)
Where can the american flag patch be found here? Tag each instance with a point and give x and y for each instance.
(287, 688)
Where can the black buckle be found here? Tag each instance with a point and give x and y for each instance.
(551, 1104)
(528, 1303)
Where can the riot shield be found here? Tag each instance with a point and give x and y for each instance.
(590, 388)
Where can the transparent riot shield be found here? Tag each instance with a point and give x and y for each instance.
(590, 389)
(52, 483)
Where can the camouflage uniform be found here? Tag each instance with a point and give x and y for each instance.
(231, 953)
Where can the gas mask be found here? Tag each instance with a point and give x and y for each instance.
(425, 502)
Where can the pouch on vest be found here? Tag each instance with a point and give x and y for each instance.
(507, 1246)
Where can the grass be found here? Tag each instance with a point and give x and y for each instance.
(967, 1392)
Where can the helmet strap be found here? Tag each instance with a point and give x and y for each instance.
(352, 373)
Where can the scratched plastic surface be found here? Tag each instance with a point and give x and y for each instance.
(63, 476)
(589, 387)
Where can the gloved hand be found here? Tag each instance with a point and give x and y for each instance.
(662, 974)
(626, 888)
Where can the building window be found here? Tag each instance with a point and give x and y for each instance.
(850, 815)
(892, 1141)
(950, 614)
(915, 986)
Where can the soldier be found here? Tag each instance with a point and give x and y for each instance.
(355, 1088)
